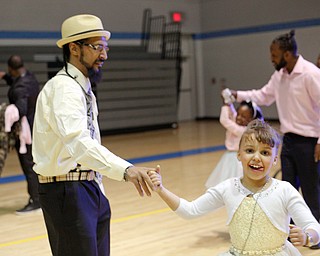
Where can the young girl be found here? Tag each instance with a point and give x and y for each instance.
(259, 207)
(235, 122)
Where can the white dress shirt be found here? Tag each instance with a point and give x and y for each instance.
(61, 139)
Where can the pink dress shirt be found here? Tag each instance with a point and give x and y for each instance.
(234, 131)
(297, 96)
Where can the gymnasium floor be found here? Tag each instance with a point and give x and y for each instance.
(140, 226)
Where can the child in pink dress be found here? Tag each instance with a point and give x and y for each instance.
(235, 122)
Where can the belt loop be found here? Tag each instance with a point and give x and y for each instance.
(80, 173)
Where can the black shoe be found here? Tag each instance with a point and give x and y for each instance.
(315, 247)
(31, 207)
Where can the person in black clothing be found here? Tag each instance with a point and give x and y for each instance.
(23, 92)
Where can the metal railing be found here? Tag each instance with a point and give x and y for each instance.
(163, 38)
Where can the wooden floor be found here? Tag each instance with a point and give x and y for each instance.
(140, 226)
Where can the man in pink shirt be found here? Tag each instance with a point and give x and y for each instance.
(295, 87)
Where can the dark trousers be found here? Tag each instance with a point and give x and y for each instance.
(77, 217)
(26, 163)
(300, 169)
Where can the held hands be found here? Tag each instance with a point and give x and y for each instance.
(140, 178)
(167, 196)
(228, 96)
(156, 179)
(234, 94)
(297, 236)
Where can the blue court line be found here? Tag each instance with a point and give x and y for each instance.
(11, 179)
(16, 178)
(176, 154)
(258, 29)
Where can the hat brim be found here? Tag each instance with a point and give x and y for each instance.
(75, 38)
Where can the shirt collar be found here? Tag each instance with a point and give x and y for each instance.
(298, 67)
(77, 75)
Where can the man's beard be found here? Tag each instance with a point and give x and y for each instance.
(95, 76)
(281, 64)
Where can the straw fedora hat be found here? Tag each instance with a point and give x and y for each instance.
(81, 27)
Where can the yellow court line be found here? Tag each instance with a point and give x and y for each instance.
(135, 216)
(23, 241)
(140, 215)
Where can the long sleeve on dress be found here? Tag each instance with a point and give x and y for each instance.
(233, 130)
(279, 202)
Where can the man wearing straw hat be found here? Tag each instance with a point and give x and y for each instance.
(68, 155)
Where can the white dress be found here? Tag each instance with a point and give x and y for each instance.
(258, 223)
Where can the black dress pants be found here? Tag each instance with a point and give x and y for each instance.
(77, 217)
(300, 169)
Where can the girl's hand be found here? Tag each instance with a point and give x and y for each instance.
(156, 179)
(297, 236)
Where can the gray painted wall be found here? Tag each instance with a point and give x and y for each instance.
(241, 59)
(117, 15)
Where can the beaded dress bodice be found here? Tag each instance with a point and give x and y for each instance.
(252, 231)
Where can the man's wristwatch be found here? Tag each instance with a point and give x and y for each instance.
(309, 240)
(125, 174)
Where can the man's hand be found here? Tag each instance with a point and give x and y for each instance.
(234, 93)
(2, 74)
(317, 153)
(227, 96)
(140, 178)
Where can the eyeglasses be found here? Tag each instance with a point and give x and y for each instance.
(96, 47)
